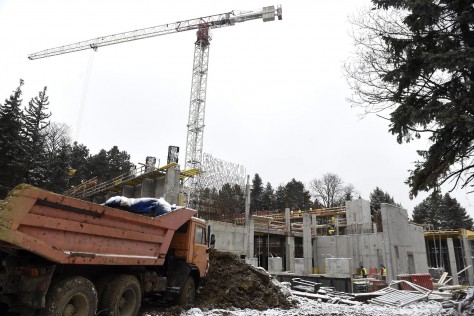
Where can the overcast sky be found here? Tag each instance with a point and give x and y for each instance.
(276, 96)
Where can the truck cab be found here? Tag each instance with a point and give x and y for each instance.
(190, 242)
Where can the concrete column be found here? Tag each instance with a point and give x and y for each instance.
(159, 187)
(128, 191)
(137, 191)
(171, 188)
(247, 201)
(452, 261)
(147, 188)
(251, 239)
(466, 244)
(287, 221)
(290, 254)
(307, 245)
(314, 225)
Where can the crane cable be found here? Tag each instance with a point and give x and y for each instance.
(85, 90)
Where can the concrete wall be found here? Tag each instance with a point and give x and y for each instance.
(401, 246)
(359, 219)
(404, 244)
(229, 237)
(338, 267)
(366, 249)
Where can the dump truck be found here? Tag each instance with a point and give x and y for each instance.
(65, 256)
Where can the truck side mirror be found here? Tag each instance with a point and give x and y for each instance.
(213, 242)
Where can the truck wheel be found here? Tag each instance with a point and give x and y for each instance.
(71, 296)
(122, 297)
(186, 295)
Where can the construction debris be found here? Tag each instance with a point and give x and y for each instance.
(461, 303)
(389, 296)
(233, 284)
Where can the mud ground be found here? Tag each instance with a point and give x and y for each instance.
(232, 283)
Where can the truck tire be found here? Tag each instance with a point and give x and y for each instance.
(122, 296)
(71, 296)
(186, 295)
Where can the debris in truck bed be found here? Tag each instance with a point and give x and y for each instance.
(233, 283)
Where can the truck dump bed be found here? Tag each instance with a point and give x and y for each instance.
(70, 231)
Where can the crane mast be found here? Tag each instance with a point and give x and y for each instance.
(195, 126)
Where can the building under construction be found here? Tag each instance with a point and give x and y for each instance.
(333, 242)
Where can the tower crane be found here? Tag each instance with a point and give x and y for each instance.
(195, 126)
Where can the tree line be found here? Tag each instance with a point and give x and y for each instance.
(39, 152)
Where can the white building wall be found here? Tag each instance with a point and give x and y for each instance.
(230, 237)
(404, 244)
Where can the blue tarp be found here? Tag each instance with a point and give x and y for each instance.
(150, 206)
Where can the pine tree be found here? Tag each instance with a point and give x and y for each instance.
(441, 213)
(118, 161)
(280, 198)
(57, 172)
(98, 166)
(12, 142)
(36, 123)
(268, 198)
(230, 199)
(455, 215)
(79, 161)
(413, 61)
(377, 197)
(256, 193)
(297, 197)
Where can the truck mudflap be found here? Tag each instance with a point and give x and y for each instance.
(28, 285)
(70, 231)
(178, 273)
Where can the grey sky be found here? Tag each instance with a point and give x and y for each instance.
(275, 98)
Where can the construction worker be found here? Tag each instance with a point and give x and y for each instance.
(383, 272)
(299, 212)
(331, 231)
(363, 271)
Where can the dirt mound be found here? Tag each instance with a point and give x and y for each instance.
(233, 283)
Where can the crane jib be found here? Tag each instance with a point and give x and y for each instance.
(212, 21)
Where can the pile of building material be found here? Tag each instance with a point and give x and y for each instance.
(461, 304)
(389, 296)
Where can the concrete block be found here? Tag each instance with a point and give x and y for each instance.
(299, 266)
(275, 265)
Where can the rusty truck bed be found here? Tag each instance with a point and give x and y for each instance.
(70, 231)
